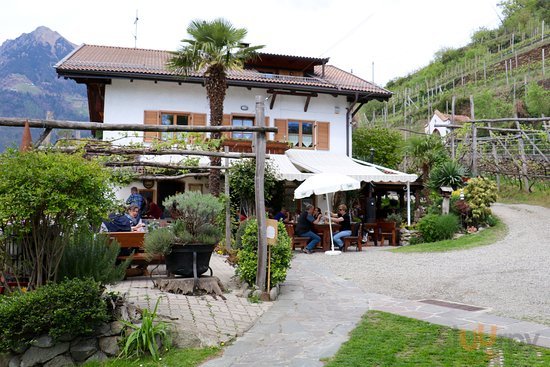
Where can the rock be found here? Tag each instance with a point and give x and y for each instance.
(15, 361)
(183, 336)
(36, 355)
(98, 356)
(257, 293)
(84, 349)
(116, 327)
(60, 361)
(273, 294)
(103, 330)
(43, 341)
(109, 345)
(5, 359)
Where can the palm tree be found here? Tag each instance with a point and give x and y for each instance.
(216, 47)
(426, 152)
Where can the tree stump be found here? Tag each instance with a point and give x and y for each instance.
(211, 285)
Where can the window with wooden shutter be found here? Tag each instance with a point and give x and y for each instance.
(282, 132)
(150, 118)
(226, 121)
(322, 135)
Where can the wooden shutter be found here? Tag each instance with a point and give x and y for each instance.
(322, 138)
(150, 118)
(226, 121)
(282, 133)
(266, 123)
(198, 119)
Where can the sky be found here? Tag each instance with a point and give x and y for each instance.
(387, 39)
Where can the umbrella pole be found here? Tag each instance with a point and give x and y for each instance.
(331, 252)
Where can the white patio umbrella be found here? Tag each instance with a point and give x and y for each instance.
(326, 183)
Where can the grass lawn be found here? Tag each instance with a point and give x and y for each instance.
(383, 339)
(510, 194)
(174, 358)
(484, 237)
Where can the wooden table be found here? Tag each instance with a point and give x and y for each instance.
(324, 230)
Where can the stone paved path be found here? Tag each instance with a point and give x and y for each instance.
(317, 310)
(212, 320)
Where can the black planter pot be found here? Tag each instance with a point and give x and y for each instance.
(180, 261)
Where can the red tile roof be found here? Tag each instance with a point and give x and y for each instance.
(446, 117)
(105, 61)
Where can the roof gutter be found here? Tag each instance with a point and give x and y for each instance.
(230, 82)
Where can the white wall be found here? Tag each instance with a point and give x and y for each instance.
(125, 102)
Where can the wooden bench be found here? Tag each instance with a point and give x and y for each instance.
(133, 241)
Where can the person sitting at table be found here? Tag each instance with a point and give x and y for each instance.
(129, 222)
(282, 216)
(318, 215)
(304, 228)
(341, 217)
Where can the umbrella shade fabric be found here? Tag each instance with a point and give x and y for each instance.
(324, 183)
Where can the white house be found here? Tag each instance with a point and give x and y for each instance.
(440, 118)
(311, 103)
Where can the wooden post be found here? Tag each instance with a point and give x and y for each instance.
(227, 203)
(260, 200)
(543, 62)
(452, 131)
(521, 151)
(495, 155)
(474, 138)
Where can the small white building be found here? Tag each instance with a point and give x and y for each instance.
(440, 118)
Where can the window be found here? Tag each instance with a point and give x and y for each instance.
(172, 119)
(169, 118)
(303, 134)
(300, 133)
(242, 121)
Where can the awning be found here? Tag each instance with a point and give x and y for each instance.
(285, 169)
(316, 161)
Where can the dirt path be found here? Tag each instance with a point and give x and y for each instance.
(512, 276)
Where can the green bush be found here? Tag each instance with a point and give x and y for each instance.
(46, 194)
(435, 227)
(74, 307)
(480, 193)
(247, 257)
(240, 232)
(88, 255)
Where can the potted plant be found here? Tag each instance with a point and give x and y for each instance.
(188, 242)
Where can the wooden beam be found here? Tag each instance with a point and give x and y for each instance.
(292, 93)
(79, 125)
(308, 98)
(158, 165)
(149, 151)
(177, 177)
(43, 136)
(272, 103)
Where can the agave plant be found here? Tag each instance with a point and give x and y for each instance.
(448, 173)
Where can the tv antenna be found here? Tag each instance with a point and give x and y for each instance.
(135, 33)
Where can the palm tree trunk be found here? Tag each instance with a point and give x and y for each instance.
(215, 88)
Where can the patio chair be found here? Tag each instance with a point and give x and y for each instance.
(301, 242)
(356, 237)
(387, 230)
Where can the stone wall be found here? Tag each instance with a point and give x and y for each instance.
(68, 351)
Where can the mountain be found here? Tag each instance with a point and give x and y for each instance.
(29, 87)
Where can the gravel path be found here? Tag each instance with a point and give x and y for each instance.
(512, 276)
